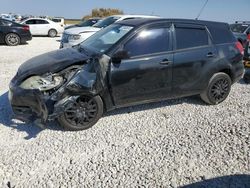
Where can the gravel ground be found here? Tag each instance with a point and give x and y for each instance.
(168, 144)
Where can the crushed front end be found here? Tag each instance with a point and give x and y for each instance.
(34, 97)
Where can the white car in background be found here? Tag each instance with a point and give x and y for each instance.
(75, 36)
(40, 26)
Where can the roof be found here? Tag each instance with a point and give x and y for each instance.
(122, 16)
(138, 22)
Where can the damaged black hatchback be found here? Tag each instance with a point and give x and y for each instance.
(127, 63)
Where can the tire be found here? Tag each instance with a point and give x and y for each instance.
(83, 114)
(12, 39)
(218, 89)
(52, 33)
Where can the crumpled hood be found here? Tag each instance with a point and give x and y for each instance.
(78, 30)
(51, 62)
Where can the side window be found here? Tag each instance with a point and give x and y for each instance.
(41, 22)
(30, 22)
(149, 41)
(190, 37)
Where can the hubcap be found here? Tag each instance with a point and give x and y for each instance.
(12, 39)
(52, 33)
(220, 90)
(82, 112)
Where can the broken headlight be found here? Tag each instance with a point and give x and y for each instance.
(43, 83)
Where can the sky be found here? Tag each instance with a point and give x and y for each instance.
(216, 10)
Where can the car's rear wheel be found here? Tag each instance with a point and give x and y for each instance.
(82, 114)
(12, 39)
(218, 89)
(52, 33)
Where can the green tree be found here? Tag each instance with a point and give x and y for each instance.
(103, 12)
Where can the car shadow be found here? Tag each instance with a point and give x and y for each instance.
(7, 116)
(6, 119)
(195, 100)
(231, 181)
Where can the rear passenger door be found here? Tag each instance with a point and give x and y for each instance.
(4, 29)
(33, 27)
(194, 53)
(42, 27)
(1, 32)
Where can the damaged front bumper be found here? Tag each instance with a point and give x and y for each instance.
(27, 105)
(31, 105)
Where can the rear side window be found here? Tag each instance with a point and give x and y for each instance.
(148, 42)
(221, 34)
(190, 37)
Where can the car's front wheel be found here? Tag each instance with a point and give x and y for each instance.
(12, 39)
(218, 89)
(82, 114)
(52, 33)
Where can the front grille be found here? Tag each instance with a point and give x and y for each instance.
(65, 38)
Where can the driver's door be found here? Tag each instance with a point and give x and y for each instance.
(147, 74)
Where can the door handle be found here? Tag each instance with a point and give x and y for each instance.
(210, 54)
(165, 62)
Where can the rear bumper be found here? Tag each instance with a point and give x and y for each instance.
(25, 37)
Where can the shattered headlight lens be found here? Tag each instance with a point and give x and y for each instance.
(43, 83)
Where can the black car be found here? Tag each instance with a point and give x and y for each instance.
(12, 33)
(84, 23)
(130, 62)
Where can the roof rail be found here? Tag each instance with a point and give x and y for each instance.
(243, 22)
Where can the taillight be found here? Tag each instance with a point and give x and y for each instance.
(26, 28)
(240, 47)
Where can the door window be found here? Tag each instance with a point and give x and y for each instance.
(41, 22)
(30, 22)
(190, 37)
(149, 41)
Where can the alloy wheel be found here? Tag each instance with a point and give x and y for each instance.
(82, 112)
(220, 89)
(12, 39)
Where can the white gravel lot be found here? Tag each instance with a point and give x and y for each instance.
(168, 144)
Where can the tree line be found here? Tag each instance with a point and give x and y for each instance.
(103, 12)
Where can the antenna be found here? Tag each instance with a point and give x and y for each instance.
(201, 10)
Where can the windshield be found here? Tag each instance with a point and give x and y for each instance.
(103, 40)
(238, 28)
(106, 22)
(87, 23)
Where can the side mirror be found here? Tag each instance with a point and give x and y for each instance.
(119, 55)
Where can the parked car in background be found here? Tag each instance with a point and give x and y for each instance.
(7, 17)
(75, 36)
(84, 23)
(59, 20)
(12, 33)
(40, 26)
(241, 30)
(130, 62)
